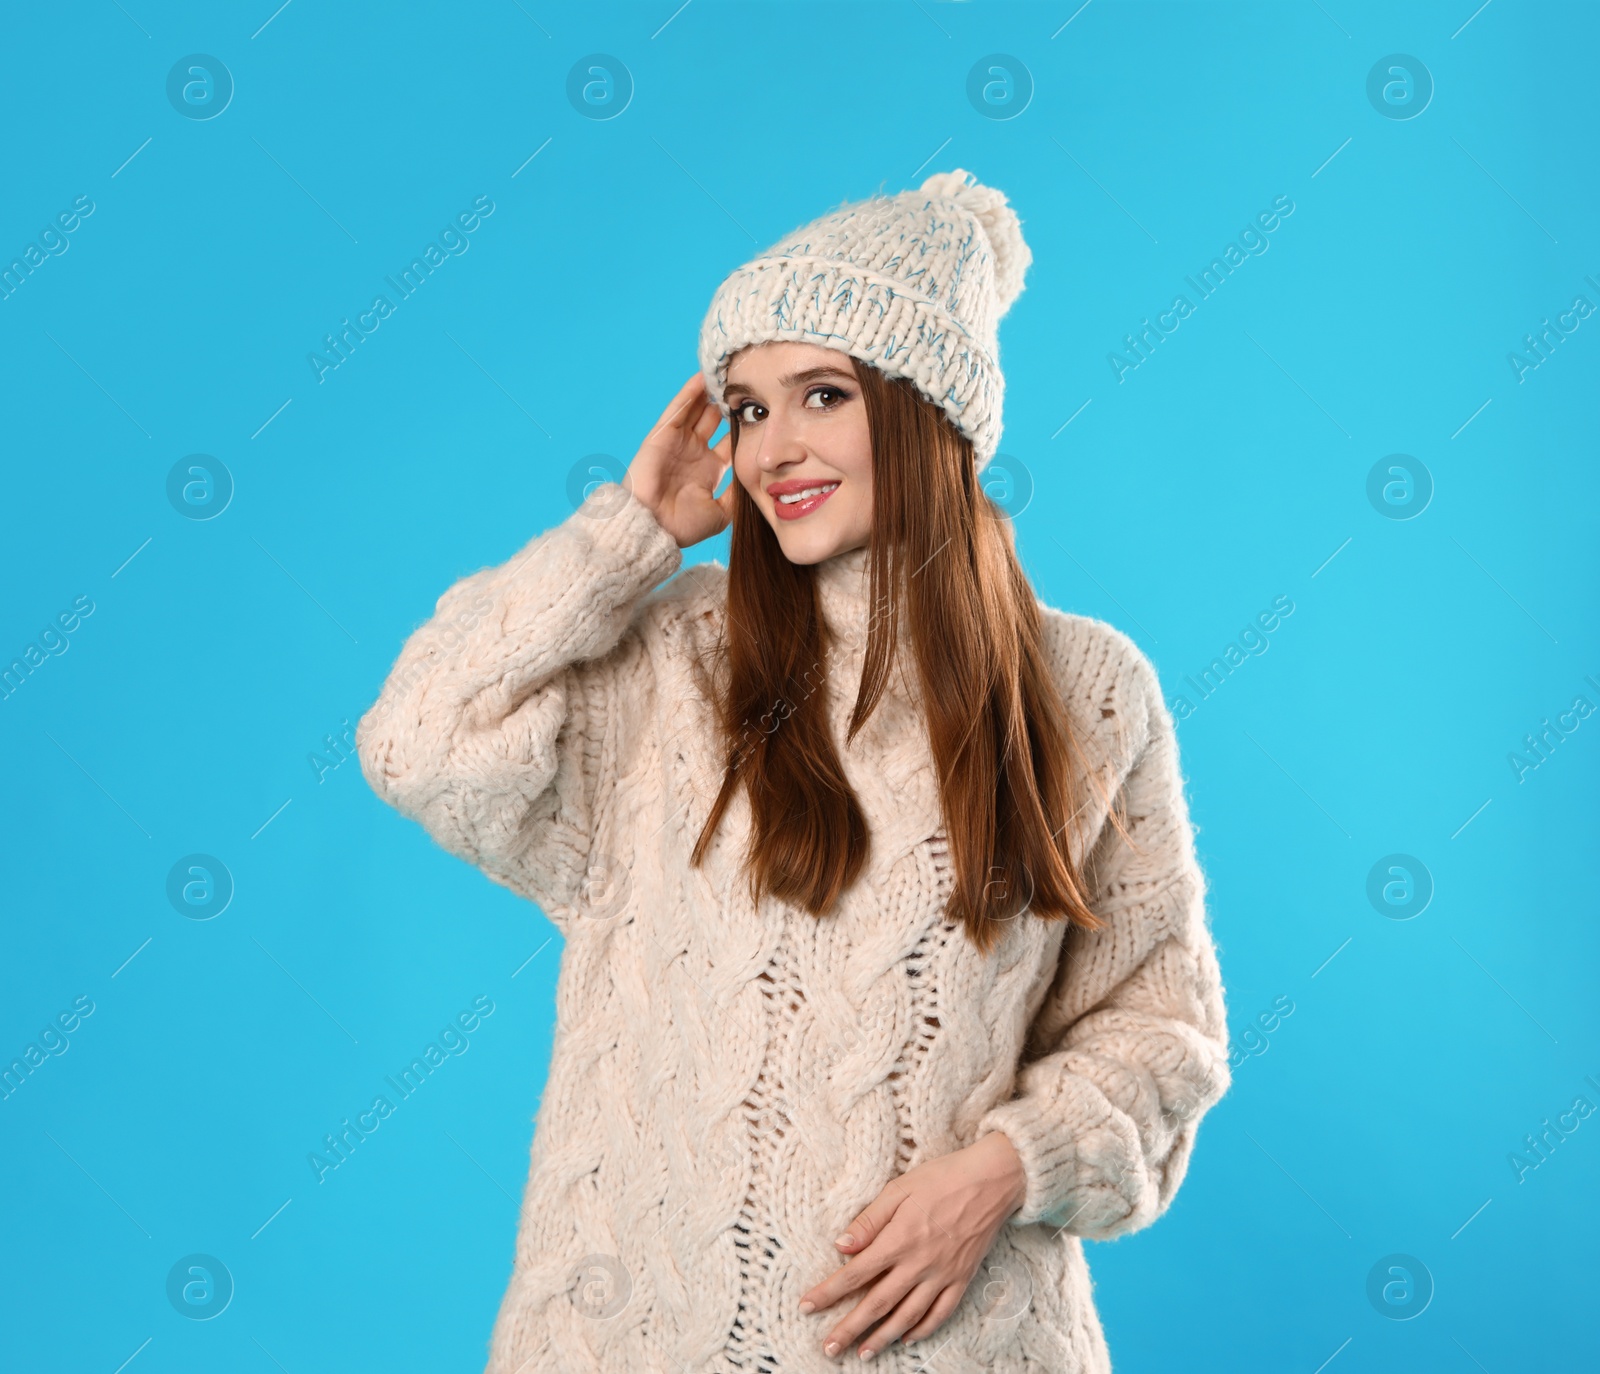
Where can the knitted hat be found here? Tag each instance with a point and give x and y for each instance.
(914, 284)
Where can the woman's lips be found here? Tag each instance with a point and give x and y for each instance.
(787, 510)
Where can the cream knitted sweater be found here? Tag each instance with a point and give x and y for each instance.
(730, 1085)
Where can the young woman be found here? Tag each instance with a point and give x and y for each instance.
(887, 973)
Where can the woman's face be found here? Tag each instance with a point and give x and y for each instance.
(803, 424)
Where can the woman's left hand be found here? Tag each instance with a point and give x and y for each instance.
(916, 1248)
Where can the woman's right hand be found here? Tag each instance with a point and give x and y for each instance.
(676, 470)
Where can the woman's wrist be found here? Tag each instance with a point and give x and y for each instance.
(1008, 1166)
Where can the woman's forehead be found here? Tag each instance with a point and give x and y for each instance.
(781, 359)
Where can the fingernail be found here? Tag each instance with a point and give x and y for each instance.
(868, 1354)
(807, 1306)
(832, 1347)
(845, 1240)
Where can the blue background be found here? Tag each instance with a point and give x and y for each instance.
(1229, 468)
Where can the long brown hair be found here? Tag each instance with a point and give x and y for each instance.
(1009, 766)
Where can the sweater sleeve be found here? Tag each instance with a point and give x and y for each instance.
(497, 727)
(1130, 1047)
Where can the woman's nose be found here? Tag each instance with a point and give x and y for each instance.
(780, 444)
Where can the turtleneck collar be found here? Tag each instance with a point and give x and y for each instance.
(844, 591)
(842, 588)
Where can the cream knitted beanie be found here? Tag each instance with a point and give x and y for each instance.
(914, 284)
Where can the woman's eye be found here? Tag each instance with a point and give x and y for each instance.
(834, 394)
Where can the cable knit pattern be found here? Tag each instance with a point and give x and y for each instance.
(729, 1085)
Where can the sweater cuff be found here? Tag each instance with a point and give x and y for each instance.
(1070, 1150)
(619, 525)
(567, 594)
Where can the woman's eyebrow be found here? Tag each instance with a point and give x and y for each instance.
(793, 379)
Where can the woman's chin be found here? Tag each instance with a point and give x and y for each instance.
(817, 537)
(811, 545)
